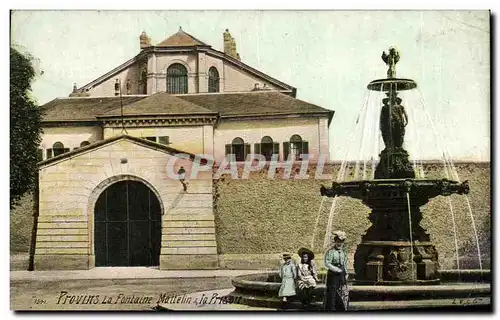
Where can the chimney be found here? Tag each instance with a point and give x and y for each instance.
(144, 40)
(79, 93)
(230, 45)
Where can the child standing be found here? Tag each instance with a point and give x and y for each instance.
(288, 274)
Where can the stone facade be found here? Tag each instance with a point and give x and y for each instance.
(69, 189)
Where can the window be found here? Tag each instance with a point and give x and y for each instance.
(267, 147)
(213, 80)
(164, 140)
(83, 144)
(177, 79)
(39, 155)
(239, 148)
(57, 149)
(295, 147)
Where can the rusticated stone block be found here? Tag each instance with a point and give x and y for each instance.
(61, 262)
(190, 261)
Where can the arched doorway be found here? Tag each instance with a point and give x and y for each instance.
(127, 226)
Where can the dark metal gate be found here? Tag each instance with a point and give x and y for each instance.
(127, 219)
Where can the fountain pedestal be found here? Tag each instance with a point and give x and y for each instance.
(395, 248)
(387, 252)
(389, 262)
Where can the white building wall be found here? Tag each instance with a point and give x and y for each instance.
(184, 138)
(280, 130)
(236, 80)
(107, 88)
(70, 137)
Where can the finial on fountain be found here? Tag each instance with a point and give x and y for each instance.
(390, 60)
(391, 84)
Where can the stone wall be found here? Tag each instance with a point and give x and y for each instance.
(259, 218)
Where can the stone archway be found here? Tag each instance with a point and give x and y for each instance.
(127, 225)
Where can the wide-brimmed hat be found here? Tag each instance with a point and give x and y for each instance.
(339, 235)
(303, 251)
(287, 256)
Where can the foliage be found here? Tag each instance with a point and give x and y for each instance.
(25, 127)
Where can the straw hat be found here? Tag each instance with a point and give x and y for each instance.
(339, 235)
(303, 251)
(286, 256)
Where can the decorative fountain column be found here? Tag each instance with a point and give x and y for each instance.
(395, 249)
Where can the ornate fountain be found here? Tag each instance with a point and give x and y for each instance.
(395, 249)
(396, 264)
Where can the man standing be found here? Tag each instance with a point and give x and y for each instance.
(337, 292)
(182, 178)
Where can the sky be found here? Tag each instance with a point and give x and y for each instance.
(329, 56)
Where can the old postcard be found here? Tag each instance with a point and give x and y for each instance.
(250, 160)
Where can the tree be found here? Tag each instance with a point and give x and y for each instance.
(25, 127)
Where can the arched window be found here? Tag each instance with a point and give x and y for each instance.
(295, 147)
(213, 80)
(58, 148)
(177, 79)
(266, 139)
(143, 83)
(267, 147)
(84, 143)
(238, 148)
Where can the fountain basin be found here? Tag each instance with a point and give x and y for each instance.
(396, 250)
(376, 191)
(392, 84)
(261, 290)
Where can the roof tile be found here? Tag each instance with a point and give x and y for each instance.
(181, 39)
(160, 103)
(253, 103)
(82, 109)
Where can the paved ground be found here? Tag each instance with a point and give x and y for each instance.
(115, 288)
(123, 273)
(95, 294)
